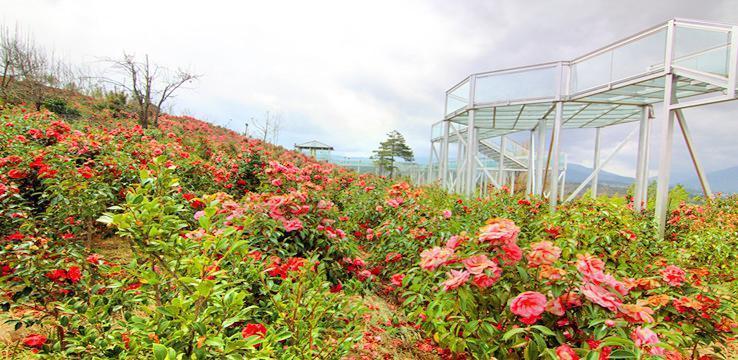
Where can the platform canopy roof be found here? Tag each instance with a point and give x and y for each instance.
(314, 145)
(605, 87)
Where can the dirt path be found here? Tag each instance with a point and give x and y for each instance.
(388, 335)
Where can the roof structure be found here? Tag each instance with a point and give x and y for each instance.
(313, 145)
(680, 63)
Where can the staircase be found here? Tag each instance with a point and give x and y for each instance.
(515, 157)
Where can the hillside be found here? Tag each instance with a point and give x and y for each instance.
(724, 181)
(189, 240)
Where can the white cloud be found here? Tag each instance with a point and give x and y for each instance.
(346, 72)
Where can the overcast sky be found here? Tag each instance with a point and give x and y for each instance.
(347, 72)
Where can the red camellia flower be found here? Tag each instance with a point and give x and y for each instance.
(511, 253)
(94, 259)
(252, 329)
(565, 352)
(74, 274)
(528, 306)
(393, 257)
(673, 275)
(86, 172)
(16, 174)
(35, 341)
(292, 225)
(396, 279)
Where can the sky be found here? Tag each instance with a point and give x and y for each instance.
(347, 72)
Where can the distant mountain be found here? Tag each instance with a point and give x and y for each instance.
(724, 181)
(576, 173)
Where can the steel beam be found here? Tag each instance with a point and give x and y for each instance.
(662, 190)
(444, 155)
(599, 167)
(471, 152)
(692, 153)
(641, 169)
(540, 156)
(501, 162)
(531, 164)
(553, 197)
(596, 162)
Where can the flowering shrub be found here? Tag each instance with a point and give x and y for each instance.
(227, 247)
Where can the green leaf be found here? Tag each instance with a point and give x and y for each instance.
(544, 330)
(510, 333)
(160, 352)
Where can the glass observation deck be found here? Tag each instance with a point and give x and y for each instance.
(605, 87)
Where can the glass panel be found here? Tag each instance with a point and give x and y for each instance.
(437, 130)
(592, 72)
(458, 98)
(703, 50)
(525, 84)
(639, 57)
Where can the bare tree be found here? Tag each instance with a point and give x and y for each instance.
(149, 85)
(24, 67)
(28, 71)
(268, 127)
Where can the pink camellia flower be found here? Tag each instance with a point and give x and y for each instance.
(477, 263)
(499, 231)
(673, 275)
(396, 202)
(556, 307)
(528, 306)
(364, 275)
(292, 225)
(645, 338)
(591, 267)
(453, 242)
(565, 352)
(456, 278)
(511, 253)
(396, 279)
(620, 287)
(432, 258)
(447, 214)
(543, 253)
(199, 214)
(600, 296)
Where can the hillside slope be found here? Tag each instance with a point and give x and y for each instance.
(239, 249)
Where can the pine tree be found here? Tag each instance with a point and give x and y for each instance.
(393, 147)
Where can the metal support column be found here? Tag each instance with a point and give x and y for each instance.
(662, 190)
(553, 197)
(458, 182)
(540, 156)
(531, 167)
(596, 162)
(641, 170)
(471, 153)
(644, 186)
(501, 162)
(443, 168)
